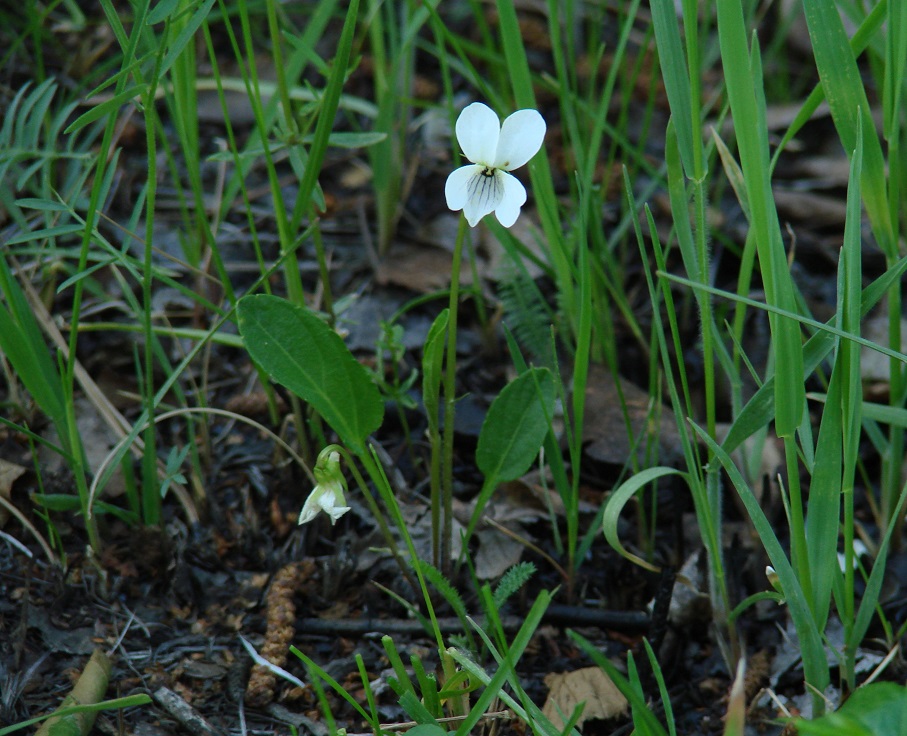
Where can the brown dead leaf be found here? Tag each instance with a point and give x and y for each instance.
(420, 268)
(9, 474)
(874, 366)
(500, 264)
(690, 606)
(605, 434)
(497, 553)
(809, 207)
(823, 172)
(780, 116)
(589, 685)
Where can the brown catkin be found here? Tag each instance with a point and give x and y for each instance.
(281, 625)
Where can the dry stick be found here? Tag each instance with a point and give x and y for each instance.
(89, 689)
(502, 715)
(190, 718)
(630, 621)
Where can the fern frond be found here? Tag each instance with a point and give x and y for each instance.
(526, 313)
(511, 581)
(36, 158)
(449, 593)
(444, 587)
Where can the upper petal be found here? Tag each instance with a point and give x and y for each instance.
(521, 137)
(478, 129)
(514, 197)
(456, 190)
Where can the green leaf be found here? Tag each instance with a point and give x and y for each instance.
(108, 108)
(355, 140)
(66, 726)
(325, 123)
(338, 140)
(518, 421)
(619, 498)
(850, 110)
(516, 425)
(48, 232)
(511, 581)
(301, 352)
(22, 342)
(128, 702)
(674, 68)
(815, 665)
(644, 720)
(161, 11)
(432, 356)
(743, 74)
(427, 729)
(185, 36)
(46, 205)
(879, 709)
(759, 409)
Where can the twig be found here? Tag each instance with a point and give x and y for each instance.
(558, 614)
(491, 715)
(190, 718)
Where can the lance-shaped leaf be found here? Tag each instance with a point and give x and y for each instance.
(298, 350)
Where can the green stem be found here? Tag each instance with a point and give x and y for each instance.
(848, 615)
(450, 380)
(377, 477)
(799, 556)
(893, 470)
(279, 68)
(281, 216)
(151, 499)
(323, 271)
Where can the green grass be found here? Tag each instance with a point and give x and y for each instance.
(616, 272)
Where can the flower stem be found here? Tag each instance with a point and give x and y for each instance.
(450, 376)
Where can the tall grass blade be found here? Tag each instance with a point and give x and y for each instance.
(850, 110)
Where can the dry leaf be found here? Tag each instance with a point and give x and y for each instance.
(874, 366)
(809, 207)
(497, 553)
(420, 268)
(9, 473)
(822, 172)
(500, 264)
(605, 427)
(589, 685)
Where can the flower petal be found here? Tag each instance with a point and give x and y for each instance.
(521, 137)
(478, 129)
(456, 190)
(513, 197)
(485, 193)
(329, 505)
(311, 507)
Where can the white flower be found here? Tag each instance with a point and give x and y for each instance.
(329, 489)
(859, 549)
(773, 579)
(484, 186)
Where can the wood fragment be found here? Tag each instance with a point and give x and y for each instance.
(563, 615)
(189, 718)
(89, 689)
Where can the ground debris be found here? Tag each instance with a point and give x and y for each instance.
(281, 626)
